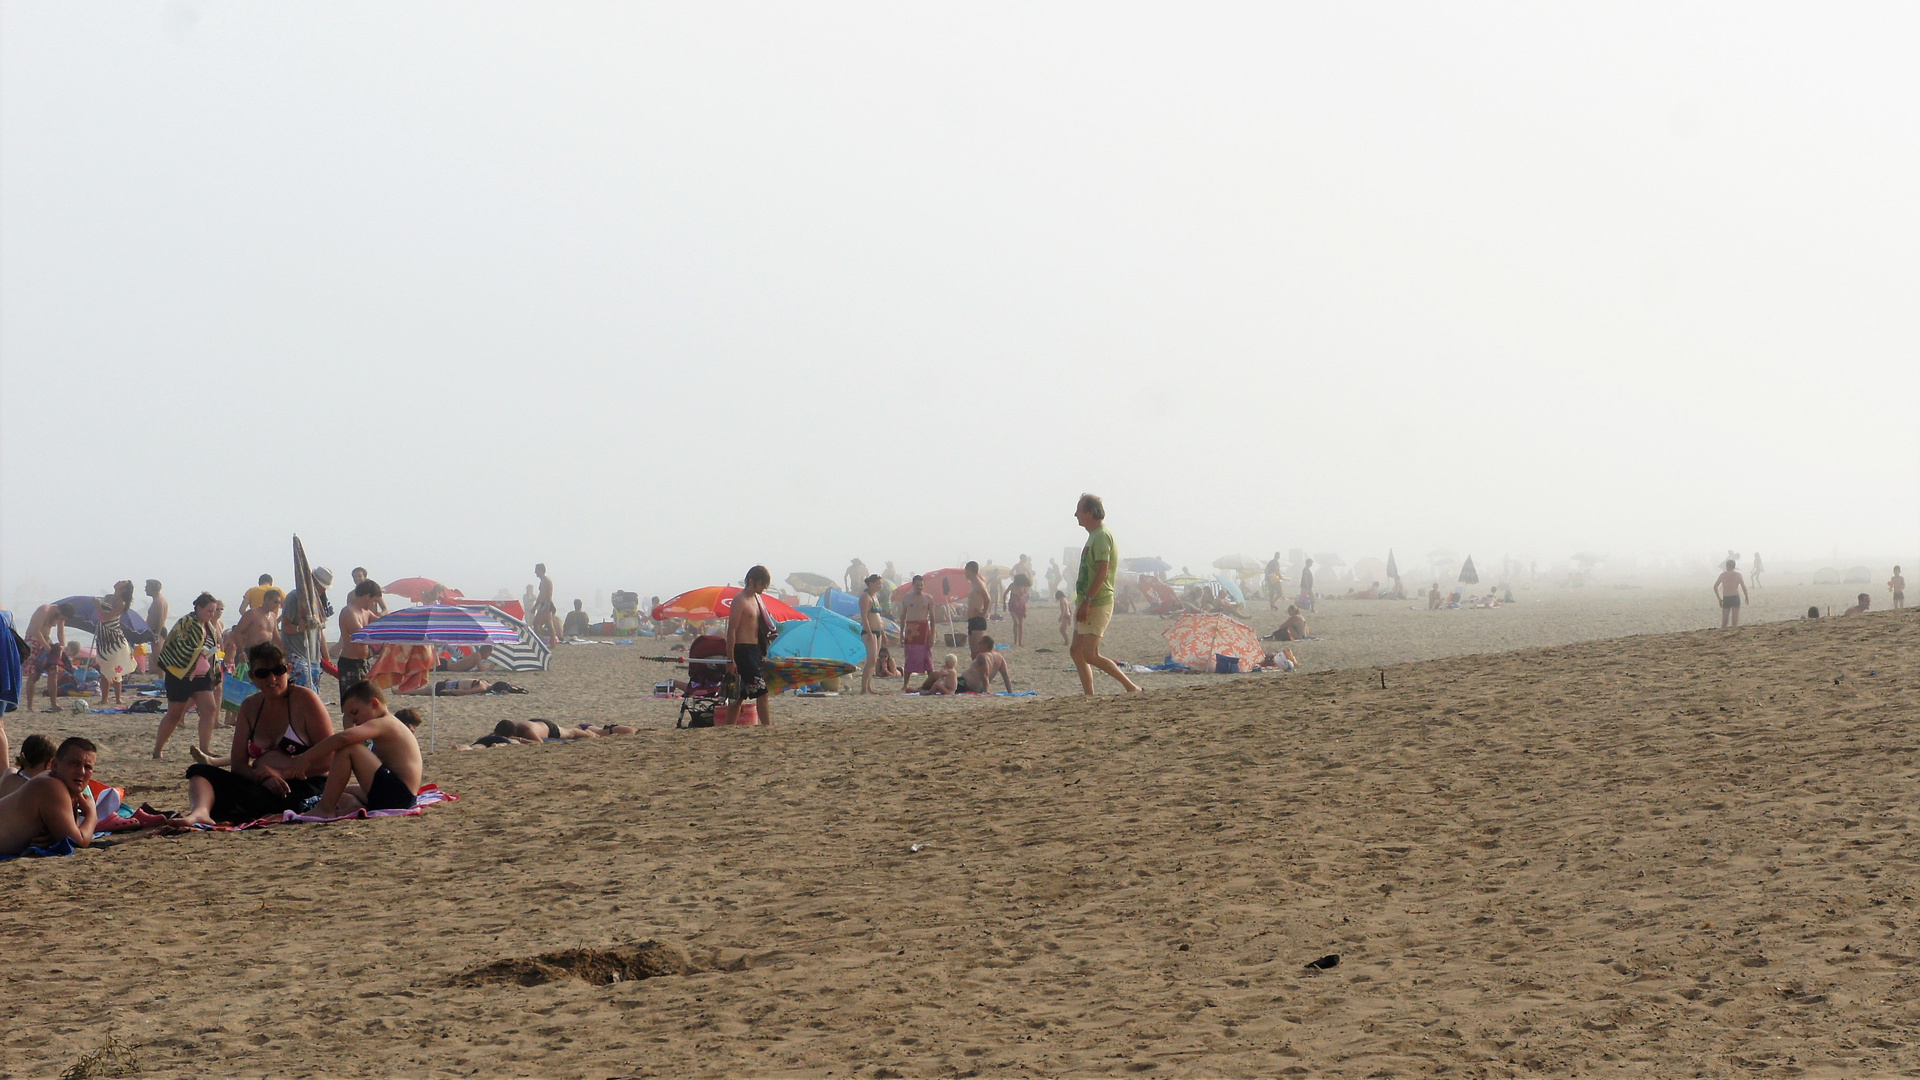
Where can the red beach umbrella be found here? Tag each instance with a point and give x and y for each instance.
(716, 602)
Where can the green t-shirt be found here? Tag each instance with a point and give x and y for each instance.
(1100, 548)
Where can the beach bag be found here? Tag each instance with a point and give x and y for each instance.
(1225, 665)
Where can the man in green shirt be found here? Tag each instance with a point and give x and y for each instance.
(1093, 595)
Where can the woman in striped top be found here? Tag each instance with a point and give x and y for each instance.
(190, 660)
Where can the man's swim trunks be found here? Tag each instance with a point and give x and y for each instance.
(977, 623)
(1730, 602)
(746, 662)
(1098, 616)
(553, 729)
(388, 792)
(353, 671)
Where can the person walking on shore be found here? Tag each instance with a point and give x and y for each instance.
(1729, 588)
(1093, 596)
(192, 671)
(747, 638)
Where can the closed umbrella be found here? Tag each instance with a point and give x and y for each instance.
(436, 624)
(1468, 574)
(1393, 568)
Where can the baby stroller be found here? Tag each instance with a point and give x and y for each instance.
(706, 681)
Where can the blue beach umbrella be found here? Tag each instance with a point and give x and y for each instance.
(1232, 587)
(1146, 564)
(825, 636)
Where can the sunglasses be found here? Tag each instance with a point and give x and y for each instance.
(270, 672)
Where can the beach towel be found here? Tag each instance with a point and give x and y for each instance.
(429, 795)
(64, 847)
(919, 660)
(407, 668)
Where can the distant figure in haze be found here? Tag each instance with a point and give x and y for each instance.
(856, 576)
(546, 616)
(157, 610)
(577, 624)
(1306, 585)
(1053, 575)
(890, 576)
(1861, 608)
(1730, 587)
(1898, 586)
(1813, 612)
(1758, 569)
(1272, 582)
(979, 605)
(1066, 617)
(1433, 597)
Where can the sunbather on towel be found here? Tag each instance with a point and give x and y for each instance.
(463, 688)
(539, 731)
(978, 678)
(54, 806)
(389, 774)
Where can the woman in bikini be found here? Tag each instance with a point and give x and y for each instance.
(1017, 606)
(258, 777)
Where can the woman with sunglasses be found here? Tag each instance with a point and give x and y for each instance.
(259, 776)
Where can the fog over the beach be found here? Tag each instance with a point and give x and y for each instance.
(653, 293)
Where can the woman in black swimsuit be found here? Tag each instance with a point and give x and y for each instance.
(274, 726)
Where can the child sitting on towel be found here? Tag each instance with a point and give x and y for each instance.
(389, 774)
(944, 681)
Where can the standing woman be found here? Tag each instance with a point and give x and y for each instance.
(192, 670)
(1017, 605)
(110, 643)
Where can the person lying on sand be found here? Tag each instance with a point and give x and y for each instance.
(538, 730)
(944, 681)
(978, 678)
(1861, 608)
(36, 757)
(388, 775)
(463, 688)
(53, 806)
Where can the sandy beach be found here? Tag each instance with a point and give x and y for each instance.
(1541, 847)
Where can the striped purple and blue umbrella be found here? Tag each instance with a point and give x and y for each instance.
(436, 624)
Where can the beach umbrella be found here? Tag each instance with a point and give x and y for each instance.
(782, 672)
(1369, 570)
(1393, 568)
(1184, 580)
(811, 584)
(840, 602)
(824, 637)
(1146, 564)
(86, 617)
(716, 602)
(436, 624)
(1232, 587)
(303, 606)
(528, 653)
(1194, 640)
(417, 589)
(1468, 574)
(1239, 564)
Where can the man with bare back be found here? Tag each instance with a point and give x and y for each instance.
(260, 624)
(53, 806)
(1730, 587)
(979, 603)
(46, 644)
(747, 640)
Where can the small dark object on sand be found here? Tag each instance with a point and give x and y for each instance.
(1325, 962)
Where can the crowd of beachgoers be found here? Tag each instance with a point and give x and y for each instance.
(288, 755)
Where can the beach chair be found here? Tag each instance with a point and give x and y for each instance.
(706, 678)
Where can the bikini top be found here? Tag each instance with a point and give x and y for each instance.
(290, 743)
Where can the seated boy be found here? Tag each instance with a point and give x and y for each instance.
(389, 774)
(53, 806)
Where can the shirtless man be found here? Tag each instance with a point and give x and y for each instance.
(916, 631)
(54, 806)
(1861, 608)
(856, 576)
(546, 618)
(1897, 585)
(356, 658)
(872, 631)
(156, 610)
(747, 626)
(46, 643)
(389, 774)
(1730, 587)
(1294, 628)
(259, 625)
(1433, 597)
(979, 603)
(987, 662)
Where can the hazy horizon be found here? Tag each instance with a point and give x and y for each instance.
(651, 294)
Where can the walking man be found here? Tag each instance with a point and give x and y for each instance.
(1730, 587)
(1093, 596)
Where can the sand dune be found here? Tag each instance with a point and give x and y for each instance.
(1682, 853)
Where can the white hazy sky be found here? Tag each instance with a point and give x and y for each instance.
(653, 292)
